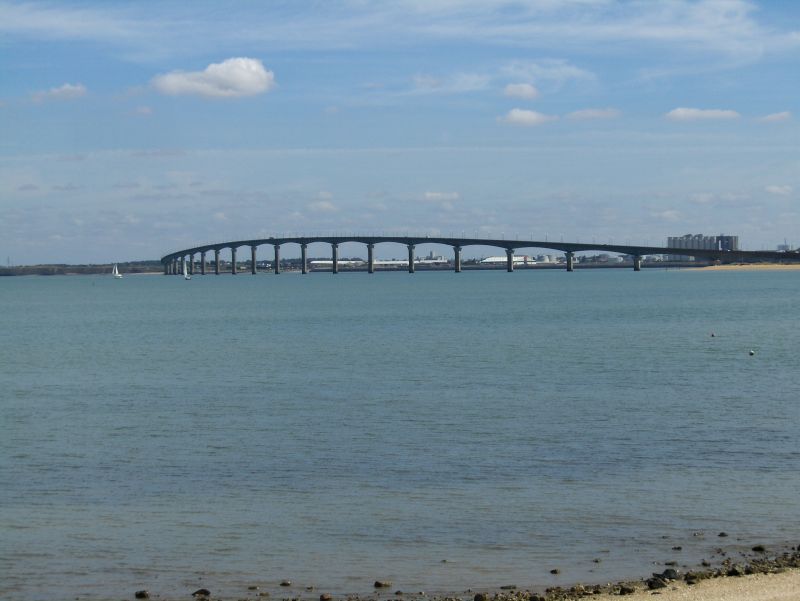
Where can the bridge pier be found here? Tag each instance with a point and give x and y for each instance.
(335, 257)
(191, 264)
(277, 248)
(183, 262)
(166, 268)
(637, 263)
(304, 258)
(216, 261)
(570, 261)
(233, 260)
(203, 263)
(410, 258)
(509, 260)
(370, 258)
(457, 258)
(253, 267)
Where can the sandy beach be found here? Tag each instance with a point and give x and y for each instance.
(784, 586)
(752, 267)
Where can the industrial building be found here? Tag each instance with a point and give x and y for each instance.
(701, 242)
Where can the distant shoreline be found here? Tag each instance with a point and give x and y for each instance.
(752, 267)
(149, 269)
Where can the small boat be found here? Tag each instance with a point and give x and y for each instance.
(186, 275)
(115, 272)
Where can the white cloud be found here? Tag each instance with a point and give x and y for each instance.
(555, 71)
(741, 29)
(445, 200)
(458, 83)
(232, 78)
(779, 190)
(776, 117)
(691, 114)
(143, 111)
(323, 206)
(670, 215)
(521, 90)
(587, 114)
(527, 118)
(67, 91)
(220, 216)
(441, 196)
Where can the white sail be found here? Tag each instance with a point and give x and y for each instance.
(115, 272)
(186, 275)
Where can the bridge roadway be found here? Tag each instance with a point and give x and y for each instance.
(173, 262)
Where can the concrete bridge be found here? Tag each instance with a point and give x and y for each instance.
(173, 262)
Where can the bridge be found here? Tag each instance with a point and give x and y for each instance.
(174, 262)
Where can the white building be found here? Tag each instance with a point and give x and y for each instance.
(518, 260)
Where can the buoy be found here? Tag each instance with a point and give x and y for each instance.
(752, 353)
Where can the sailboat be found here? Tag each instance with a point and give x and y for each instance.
(115, 272)
(186, 275)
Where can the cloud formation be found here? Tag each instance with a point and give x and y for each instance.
(779, 190)
(323, 206)
(440, 196)
(692, 114)
(458, 83)
(521, 90)
(67, 91)
(555, 71)
(526, 118)
(232, 78)
(776, 117)
(588, 114)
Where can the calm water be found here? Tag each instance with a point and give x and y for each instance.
(228, 432)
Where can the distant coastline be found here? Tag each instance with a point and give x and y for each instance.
(156, 268)
(130, 268)
(753, 267)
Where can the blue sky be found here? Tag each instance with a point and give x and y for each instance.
(129, 129)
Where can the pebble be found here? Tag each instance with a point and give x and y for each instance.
(201, 592)
(286, 583)
(480, 597)
(142, 594)
(760, 549)
(382, 584)
(555, 571)
(325, 597)
(722, 534)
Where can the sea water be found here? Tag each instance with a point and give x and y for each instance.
(438, 430)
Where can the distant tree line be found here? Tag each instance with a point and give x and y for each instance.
(64, 269)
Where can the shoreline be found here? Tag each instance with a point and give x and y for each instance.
(758, 574)
(751, 267)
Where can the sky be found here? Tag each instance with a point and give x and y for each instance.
(132, 129)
